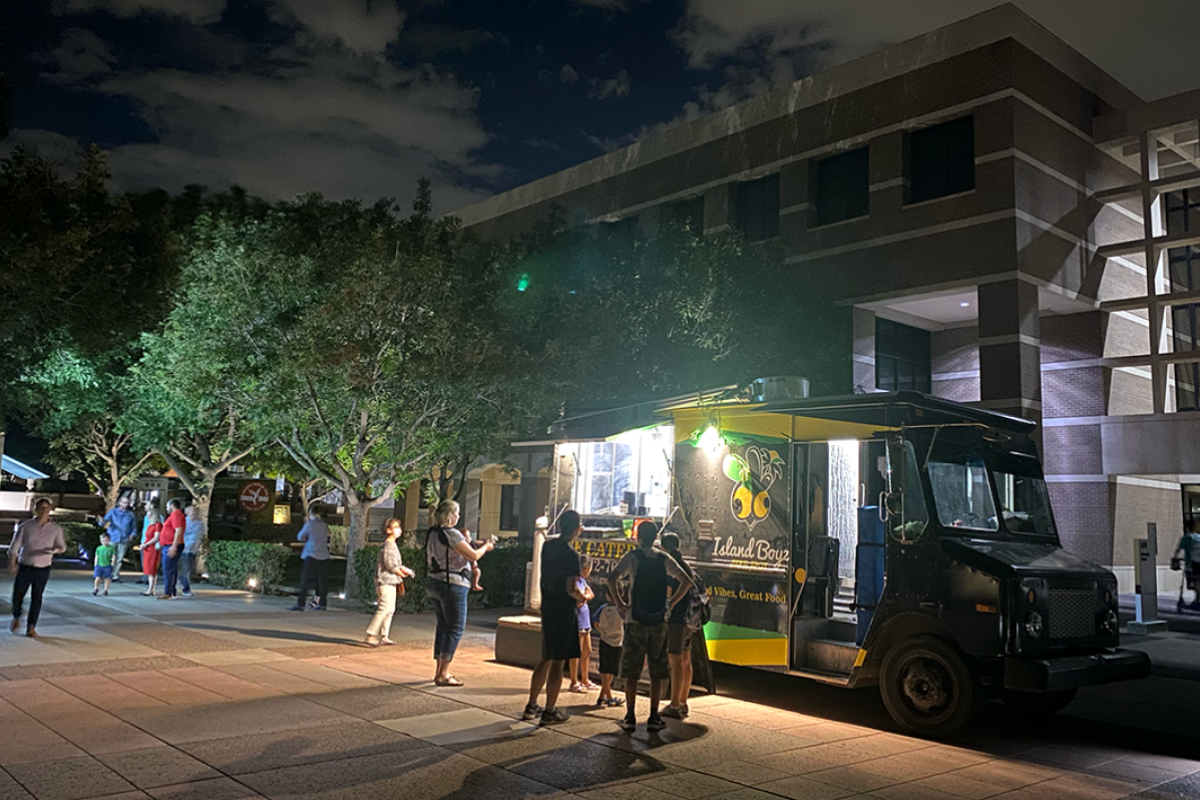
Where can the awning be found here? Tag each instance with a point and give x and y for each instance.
(767, 424)
(11, 466)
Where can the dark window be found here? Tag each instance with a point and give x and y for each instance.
(843, 186)
(685, 214)
(510, 507)
(758, 208)
(1183, 211)
(902, 360)
(941, 160)
(1183, 269)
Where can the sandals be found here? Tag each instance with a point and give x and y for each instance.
(591, 687)
(371, 640)
(386, 640)
(577, 688)
(449, 680)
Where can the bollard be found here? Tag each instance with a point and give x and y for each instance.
(1145, 559)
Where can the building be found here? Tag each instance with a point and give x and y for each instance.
(1022, 232)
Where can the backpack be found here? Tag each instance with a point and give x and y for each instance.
(648, 597)
(434, 565)
(699, 605)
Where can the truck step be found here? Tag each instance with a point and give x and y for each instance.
(842, 627)
(831, 656)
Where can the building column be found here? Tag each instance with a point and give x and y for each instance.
(412, 506)
(1010, 371)
(864, 350)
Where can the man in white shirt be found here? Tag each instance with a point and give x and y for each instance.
(32, 550)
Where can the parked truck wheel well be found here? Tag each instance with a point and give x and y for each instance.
(902, 627)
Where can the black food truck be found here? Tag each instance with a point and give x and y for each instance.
(893, 539)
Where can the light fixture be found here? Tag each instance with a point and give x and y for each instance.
(964, 304)
(341, 595)
(710, 441)
(252, 583)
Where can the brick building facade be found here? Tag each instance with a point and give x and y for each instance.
(1004, 223)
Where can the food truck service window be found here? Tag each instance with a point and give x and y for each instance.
(627, 475)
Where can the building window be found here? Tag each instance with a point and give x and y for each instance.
(843, 186)
(510, 507)
(902, 357)
(941, 160)
(758, 208)
(684, 214)
(1183, 211)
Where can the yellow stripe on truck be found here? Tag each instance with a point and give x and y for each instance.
(749, 652)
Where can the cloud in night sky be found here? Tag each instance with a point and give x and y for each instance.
(198, 12)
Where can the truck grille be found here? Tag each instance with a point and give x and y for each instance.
(1072, 613)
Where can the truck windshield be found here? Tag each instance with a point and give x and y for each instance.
(1024, 501)
(960, 490)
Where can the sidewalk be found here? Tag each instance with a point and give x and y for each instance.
(228, 696)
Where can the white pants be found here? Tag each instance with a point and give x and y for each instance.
(381, 623)
(122, 548)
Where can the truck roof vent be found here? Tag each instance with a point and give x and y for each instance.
(777, 388)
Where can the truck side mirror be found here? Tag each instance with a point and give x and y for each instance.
(894, 503)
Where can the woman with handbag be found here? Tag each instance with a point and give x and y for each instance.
(390, 573)
(449, 555)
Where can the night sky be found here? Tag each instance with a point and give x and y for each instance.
(359, 98)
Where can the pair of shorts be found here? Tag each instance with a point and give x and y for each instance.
(610, 659)
(645, 643)
(102, 572)
(560, 632)
(679, 638)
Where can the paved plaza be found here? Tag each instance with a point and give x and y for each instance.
(228, 696)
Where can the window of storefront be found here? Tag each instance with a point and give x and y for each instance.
(843, 186)
(941, 160)
(684, 214)
(510, 507)
(902, 357)
(758, 208)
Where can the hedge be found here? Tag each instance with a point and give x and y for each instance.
(77, 534)
(503, 578)
(233, 564)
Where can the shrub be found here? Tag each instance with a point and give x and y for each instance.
(338, 536)
(415, 598)
(81, 534)
(504, 576)
(233, 564)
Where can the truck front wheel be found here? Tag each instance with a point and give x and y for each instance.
(1038, 704)
(927, 687)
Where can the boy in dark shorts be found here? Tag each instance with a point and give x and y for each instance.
(560, 625)
(611, 628)
(106, 558)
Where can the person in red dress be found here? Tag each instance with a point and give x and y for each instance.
(170, 538)
(150, 552)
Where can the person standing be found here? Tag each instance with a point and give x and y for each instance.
(646, 610)
(121, 523)
(390, 573)
(151, 549)
(193, 538)
(103, 568)
(1189, 549)
(560, 573)
(170, 540)
(679, 638)
(33, 548)
(315, 555)
(448, 555)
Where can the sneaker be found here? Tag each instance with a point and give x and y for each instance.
(655, 723)
(185, 594)
(532, 710)
(673, 712)
(95, 592)
(553, 716)
(628, 723)
(31, 633)
(12, 626)
(296, 608)
(613, 702)
(684, 711)
(106, 592)
(166, 597)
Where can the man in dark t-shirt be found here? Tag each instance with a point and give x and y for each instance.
(560, 631)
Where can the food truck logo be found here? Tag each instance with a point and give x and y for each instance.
(753, 472)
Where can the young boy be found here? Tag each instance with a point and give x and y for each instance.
(579, 668)
(611, 628)
(106, 558)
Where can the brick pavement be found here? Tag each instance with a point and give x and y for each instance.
(227, 697)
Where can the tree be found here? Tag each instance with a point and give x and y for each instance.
(76, 403)
(79, 266)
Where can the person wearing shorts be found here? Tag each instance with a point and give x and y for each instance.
(611, 628)
(679, 639)
(560, 572)
(646, 609)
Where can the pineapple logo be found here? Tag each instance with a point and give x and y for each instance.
(752, 473)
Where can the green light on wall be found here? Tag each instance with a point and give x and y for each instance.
(523, 282)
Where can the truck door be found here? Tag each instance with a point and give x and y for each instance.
(814, 553)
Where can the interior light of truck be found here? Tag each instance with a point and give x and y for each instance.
(710, 440)
(1033, 624)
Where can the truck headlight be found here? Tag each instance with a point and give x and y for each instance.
(1110, 622)
(1033, 625)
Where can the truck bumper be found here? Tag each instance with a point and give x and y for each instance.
(1068, 672)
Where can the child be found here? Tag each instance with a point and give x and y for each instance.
(106, 557)
(611, 628)
(580, 667)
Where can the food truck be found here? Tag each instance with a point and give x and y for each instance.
(890, 539)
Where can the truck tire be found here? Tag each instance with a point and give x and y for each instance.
(927, 687)
(1038, 704)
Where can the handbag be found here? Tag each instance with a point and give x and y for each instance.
(400, 589)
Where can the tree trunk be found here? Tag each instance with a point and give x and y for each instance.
(111, 495)
(201, 505)
(356, 538)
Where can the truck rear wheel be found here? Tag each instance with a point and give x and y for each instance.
(927, 687)
(1038, 704)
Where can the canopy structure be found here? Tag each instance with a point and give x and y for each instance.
(10, 466)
